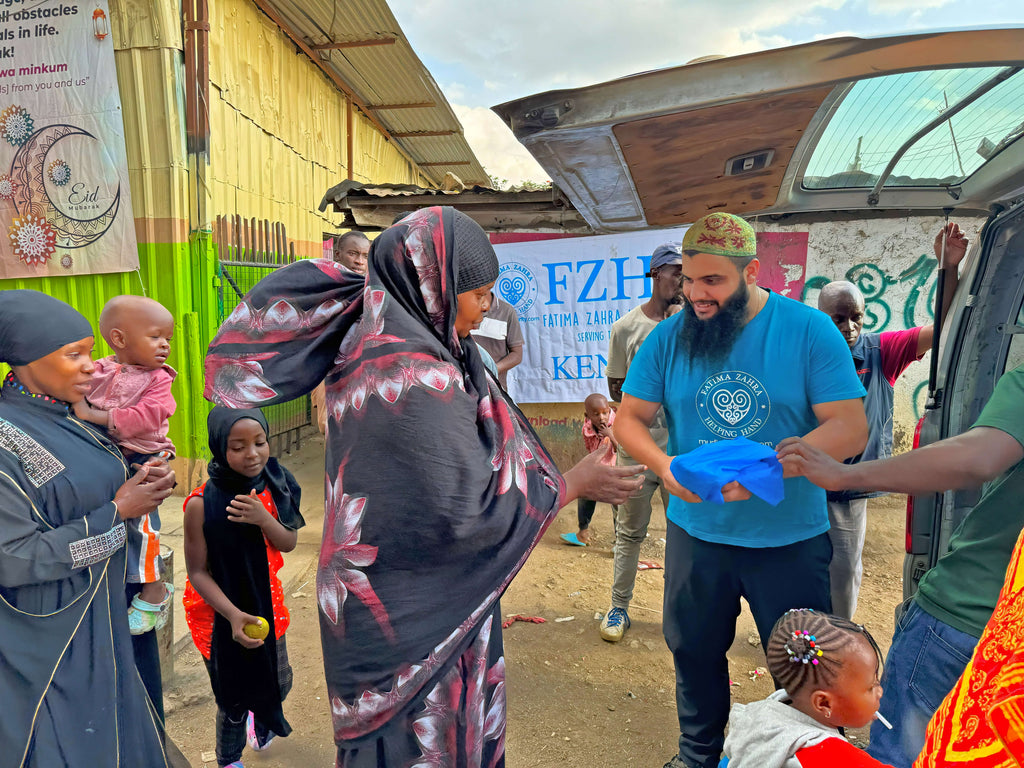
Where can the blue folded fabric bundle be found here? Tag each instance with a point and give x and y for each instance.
(706, 469)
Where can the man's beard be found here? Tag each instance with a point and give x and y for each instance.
(711, 340)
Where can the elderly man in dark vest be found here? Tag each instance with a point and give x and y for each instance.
(880, 359)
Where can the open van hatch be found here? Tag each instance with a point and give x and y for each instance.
(915, 123)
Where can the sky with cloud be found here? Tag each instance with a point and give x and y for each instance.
(483, 53)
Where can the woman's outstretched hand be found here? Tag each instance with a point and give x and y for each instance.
(592, 479)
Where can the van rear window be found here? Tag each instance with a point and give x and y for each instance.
(876, 116)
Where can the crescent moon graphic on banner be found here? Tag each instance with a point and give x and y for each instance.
(28, 170)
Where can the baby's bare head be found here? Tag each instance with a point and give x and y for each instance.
(138, 329)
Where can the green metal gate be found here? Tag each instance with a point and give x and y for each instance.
(247, 251)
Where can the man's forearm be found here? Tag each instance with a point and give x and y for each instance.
(510, 361)
(635, 438)
(615, 389)
(839, 438)
(964, 461)
(949, 286)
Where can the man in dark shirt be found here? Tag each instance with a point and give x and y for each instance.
(500, 336)
(351, 251)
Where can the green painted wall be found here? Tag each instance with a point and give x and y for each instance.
(179, 276)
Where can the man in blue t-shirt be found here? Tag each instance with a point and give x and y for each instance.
(738, 361)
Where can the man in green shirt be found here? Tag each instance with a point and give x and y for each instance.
(934, 639)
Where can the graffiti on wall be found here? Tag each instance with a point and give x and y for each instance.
(874, 282)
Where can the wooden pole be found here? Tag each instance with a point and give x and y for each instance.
(354, 44)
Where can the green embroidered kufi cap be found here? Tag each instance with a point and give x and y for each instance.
(721, 234)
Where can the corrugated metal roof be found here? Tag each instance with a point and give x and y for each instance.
(386, 74)
(372, 207)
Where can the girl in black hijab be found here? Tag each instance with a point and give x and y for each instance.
(437, 487)
(236, 527)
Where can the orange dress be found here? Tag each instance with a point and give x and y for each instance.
(199, 614)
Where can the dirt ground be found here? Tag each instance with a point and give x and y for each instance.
(573, 699)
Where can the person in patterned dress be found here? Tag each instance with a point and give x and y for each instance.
(437, 488)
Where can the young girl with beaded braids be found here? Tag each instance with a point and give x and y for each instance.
(829, 669)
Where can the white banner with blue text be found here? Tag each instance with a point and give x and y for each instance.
(568, 292)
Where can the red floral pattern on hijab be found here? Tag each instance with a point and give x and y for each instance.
(437, 486)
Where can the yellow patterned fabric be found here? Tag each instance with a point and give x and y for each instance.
(981, 722)
(721, 234)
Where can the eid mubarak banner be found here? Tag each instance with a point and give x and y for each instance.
(64, 202)
(568, 293)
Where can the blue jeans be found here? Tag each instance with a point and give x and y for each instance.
(926, 659)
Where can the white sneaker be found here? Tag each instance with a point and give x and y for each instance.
(614, 625)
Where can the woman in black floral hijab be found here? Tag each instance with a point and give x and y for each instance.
(437, 487)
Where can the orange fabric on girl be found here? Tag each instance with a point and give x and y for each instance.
(981, 721)
(199, 615)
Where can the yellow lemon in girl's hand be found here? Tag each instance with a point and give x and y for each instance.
(259, 630)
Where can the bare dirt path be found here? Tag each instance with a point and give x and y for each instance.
(573, 699)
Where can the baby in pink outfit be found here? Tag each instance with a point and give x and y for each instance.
(131, 397)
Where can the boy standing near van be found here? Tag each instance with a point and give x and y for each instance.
(880, 359)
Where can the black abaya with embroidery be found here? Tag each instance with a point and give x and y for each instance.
(437, 489)
(71, 695)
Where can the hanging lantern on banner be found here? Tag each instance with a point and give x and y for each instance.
(99, 24)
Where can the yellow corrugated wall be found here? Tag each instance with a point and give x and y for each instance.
(150, 81)
(278, 142)
(278, 130)
(376, 160)
(147, 45)
(176, 272)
